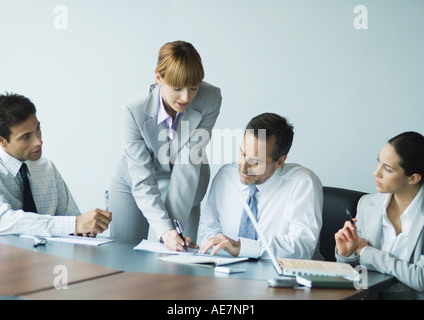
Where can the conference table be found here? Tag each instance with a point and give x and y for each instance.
(114, 271)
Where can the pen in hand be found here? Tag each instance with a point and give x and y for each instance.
(107, 200)
(349, 216)
(180, 232)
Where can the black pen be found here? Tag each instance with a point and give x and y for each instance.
(180, 232)
(349, 216)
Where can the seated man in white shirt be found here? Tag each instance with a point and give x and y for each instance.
(287, 198)
(34, 199)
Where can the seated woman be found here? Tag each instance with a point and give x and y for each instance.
(388, 233)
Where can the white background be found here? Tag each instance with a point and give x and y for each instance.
(346, 91)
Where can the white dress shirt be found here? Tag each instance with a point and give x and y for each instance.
(55, 205)
(397, 245)
(289, 211)
(171, 125)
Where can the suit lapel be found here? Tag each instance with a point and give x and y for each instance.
(373, 224)
(156, 134)
(416, 230)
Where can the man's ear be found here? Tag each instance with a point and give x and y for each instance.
(3, 142)
(281, 160)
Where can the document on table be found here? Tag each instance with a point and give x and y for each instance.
(202, 260)
(88, 241)
(154, 246)
(189, 257)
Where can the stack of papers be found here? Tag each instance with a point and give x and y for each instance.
(88, 241)
(189, 257)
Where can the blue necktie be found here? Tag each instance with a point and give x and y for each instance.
(247, 230)
(28, 200)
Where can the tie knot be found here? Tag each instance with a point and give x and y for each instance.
(253, 190)
(23, 171)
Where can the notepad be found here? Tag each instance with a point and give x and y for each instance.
(294, 267)
(201, 260)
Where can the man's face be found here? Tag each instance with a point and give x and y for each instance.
(255, 159)
(25, 140)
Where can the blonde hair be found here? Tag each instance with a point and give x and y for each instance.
(180, 65)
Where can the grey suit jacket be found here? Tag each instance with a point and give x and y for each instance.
(411, 272)
(163, 190)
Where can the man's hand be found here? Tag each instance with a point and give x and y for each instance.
(93, 222)
(221, 242)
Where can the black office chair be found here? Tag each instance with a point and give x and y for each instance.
(336, 201)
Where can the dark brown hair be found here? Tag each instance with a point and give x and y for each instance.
(277, 126)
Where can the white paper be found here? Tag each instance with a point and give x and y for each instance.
(154, 246)
(88, 241)
(202, 260)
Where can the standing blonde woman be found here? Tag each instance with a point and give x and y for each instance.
(157, 180)
(389, 233)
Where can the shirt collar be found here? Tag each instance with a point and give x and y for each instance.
(268, 186)
(413, 207)
(12, 164)
(162, 114)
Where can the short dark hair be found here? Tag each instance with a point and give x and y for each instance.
(14, 109)
(410, 148)
(275, 125)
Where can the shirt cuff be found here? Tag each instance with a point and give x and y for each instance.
(64, 225)
(249, 248)
(363, 250)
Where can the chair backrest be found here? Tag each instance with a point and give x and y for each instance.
(336, 201)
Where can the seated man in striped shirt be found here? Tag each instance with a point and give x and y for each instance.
(34, 199)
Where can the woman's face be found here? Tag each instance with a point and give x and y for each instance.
(176, 99)
(389, 175)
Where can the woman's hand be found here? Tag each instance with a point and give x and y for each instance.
(347, 239)
(173, 241)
